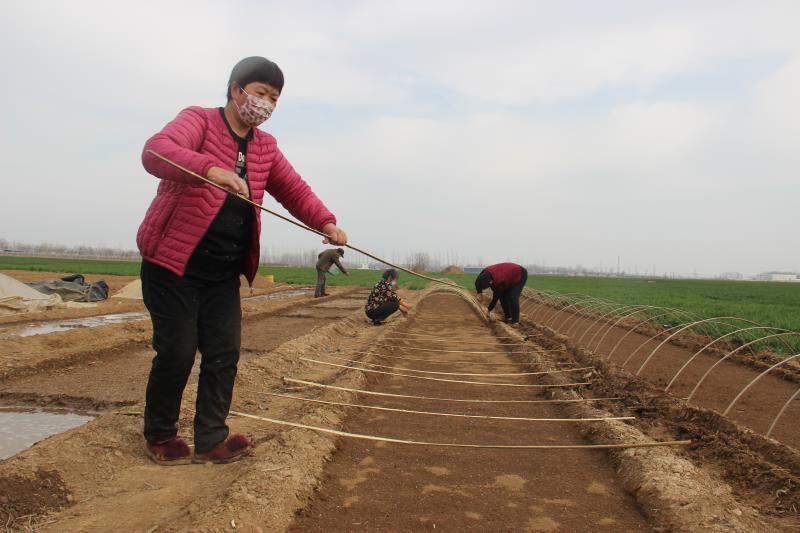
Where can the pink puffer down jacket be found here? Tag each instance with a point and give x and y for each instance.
(185, 206)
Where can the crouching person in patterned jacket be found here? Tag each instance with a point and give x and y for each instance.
(383, 300)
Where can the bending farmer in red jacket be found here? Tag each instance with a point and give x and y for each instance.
(507, 281)
(196, 240)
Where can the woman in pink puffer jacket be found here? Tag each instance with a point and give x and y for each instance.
(196, 240)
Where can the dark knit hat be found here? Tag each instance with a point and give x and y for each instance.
(256, 68)
(341, 251)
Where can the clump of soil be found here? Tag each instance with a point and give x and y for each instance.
(24, 496)
(762, 472)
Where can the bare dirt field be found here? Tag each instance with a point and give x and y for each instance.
(442, 377)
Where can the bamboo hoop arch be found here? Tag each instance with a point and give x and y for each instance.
(429, 335)
(458, 445)
(587, 313)
(458, 341)
(560, 303)
(582, 304)
(434, 398)
(623, 313)
(564, 301)
(548, 302)
(529, 303)
(758, 377)
(382, 345)
(780, 413)
(685, 328)
(590, 304)
(701, 350)
(525, 385)
(644, 308)
(606, 317)
(482, 374)
(532, 299)
(646, 321)
(455, 415)
(433, 362)
(649, 339)
(729, 354)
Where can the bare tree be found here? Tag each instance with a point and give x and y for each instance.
(420, 262)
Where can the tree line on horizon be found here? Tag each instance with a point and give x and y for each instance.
(416, 261)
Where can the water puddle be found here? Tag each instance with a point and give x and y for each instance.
(20, 430)
(279, 295)
(44, 328)
(87, 322)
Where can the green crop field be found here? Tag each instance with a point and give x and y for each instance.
(70, 266)
(770, 303)
(774, 304)
(767, 303)
(282, 274)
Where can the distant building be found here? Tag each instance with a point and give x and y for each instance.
(731, 275)
(472, 269)
(778, 276)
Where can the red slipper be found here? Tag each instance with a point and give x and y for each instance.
(233, 448)
(171, 451)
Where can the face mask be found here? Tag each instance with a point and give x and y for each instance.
(394, 283)
(255, 111)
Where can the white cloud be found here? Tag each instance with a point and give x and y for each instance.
(776, 113)
(485, 129)
(540, 65)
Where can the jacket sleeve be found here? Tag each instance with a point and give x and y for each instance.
(338, 264)
(495, 297)
(293, 193)
(179, 142)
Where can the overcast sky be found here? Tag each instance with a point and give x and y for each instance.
(664, 134)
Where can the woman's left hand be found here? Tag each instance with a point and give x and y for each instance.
(335, 235)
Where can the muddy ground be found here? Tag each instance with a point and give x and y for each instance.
(97, 478)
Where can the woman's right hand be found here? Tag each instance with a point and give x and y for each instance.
(228, 180)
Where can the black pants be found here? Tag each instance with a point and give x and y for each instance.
(188, 315)
(509, 299)
(320, 290)
(383, 311)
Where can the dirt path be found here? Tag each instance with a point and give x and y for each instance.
(390, 487)
(97, 478)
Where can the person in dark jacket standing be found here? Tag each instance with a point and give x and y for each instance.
(383, 300)
(506, 281)
(325, 260)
